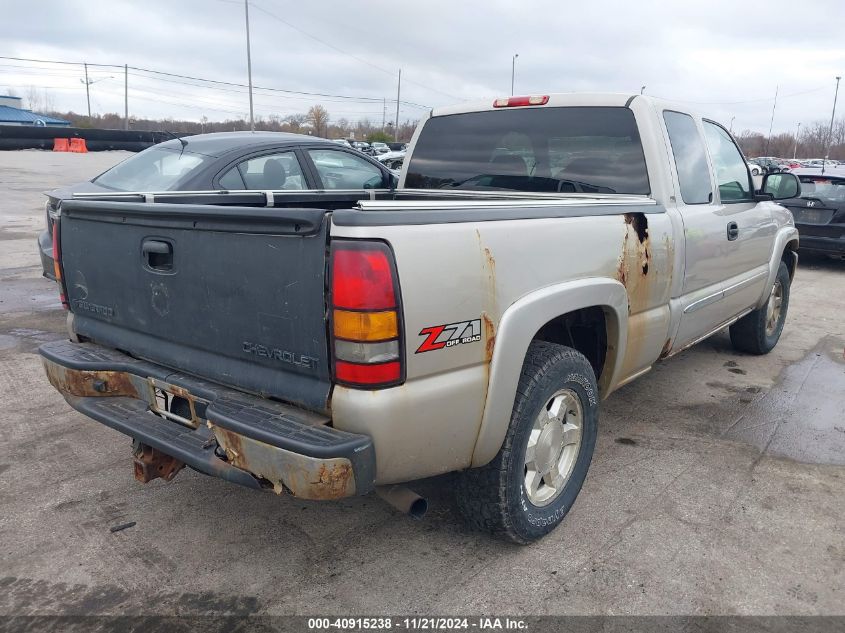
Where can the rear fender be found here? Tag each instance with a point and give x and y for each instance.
(518, 326)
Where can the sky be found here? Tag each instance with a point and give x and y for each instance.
(724, 58)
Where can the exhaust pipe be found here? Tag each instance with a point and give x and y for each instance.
(405, 500)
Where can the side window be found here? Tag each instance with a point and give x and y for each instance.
(232, 180)
(342, 170)
(731, 171)
(690, 158)
(271, 171)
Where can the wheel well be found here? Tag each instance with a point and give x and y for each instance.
(584, 330)
(790, 257)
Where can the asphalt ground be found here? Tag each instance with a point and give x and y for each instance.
(717, 488)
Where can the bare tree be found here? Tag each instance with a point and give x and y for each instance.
(295, 122)
(33, 98)
(318, 116)
(49, 101)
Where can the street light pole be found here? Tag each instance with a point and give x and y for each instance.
(797, 135)
(772, 122)
(513, 70)
(126, 96)
(87, 90)
(398, 93)
(642, 89)
(830, 131)
(731, 128)
(249, 67)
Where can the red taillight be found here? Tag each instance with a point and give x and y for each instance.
(365, 315)
(359, 374)
(361, 279)
(57, 265)
(514, 102)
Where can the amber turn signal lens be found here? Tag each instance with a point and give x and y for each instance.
(365, 326)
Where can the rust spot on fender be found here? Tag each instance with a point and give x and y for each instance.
(489, 336)
(666, 347)
(634, 263)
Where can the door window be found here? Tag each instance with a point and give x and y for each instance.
(342, 170)
(690, 158)
(269, 172)
(732, 175)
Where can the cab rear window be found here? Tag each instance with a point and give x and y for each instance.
(154, 169)
(569, 150)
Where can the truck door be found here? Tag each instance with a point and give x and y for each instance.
(704, 234)
(749, 227)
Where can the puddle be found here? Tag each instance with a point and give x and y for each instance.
(803, 416)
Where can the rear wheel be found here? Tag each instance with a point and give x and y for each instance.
(759, 331)
(527, 489)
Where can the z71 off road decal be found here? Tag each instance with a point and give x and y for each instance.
(440, 336)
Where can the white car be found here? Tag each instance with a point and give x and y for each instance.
(380, 148)
(392, 160)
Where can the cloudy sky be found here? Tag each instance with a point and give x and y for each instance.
(725, 57)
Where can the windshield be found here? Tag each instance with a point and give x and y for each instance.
(154, 169)
(822, 187)
(569, 150)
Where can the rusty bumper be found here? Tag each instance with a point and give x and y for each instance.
(176, 419)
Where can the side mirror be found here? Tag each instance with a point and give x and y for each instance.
(781, 186)
(392, 181)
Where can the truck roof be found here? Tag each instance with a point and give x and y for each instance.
(599, 99)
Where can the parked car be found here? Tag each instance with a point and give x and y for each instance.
(819, 211)
(341, 141)
(755, 169)
(380, 148)
(363, 147)
(469, 321)
(233, 161)
(770, 165)
(392, 160)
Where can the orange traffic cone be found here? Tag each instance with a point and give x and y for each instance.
(78, 145)
(60, 145)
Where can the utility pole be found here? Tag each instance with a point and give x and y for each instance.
(249, 67)
(797, 135)
(830, 131)
(383, 112)
(87, 90)
(772, 122)
(126, 96)
(513, 70)
(398, 92)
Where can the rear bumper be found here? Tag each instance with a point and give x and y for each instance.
(242, 438)
(833, 243)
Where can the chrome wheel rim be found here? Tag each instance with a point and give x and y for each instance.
(774, 307)
(553, 447)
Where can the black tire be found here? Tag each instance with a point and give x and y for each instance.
(749, 333)
(492, 498)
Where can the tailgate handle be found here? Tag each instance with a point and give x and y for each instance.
(158, 255)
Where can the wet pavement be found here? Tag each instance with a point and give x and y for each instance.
(717, 487)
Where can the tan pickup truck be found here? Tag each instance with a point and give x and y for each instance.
(538, 253)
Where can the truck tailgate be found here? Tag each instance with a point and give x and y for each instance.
(232, 294)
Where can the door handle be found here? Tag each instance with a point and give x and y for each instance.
(733, 231)
(157, 254)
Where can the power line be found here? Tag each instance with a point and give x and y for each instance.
(217, 81)
(348, 54)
